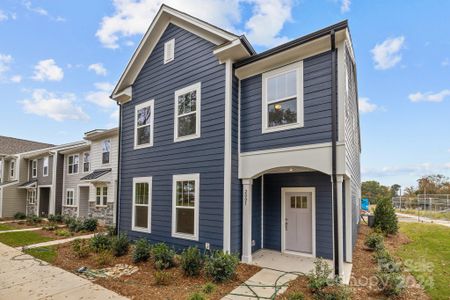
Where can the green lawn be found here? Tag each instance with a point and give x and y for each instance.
(47, 254)
(24, 238)
(429, 256)
(4, 227)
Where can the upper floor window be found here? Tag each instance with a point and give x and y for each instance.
(282, 103)
(72, 164)
(187, 113)
(101, 196)
(45, 167)
(143, 128)
(86, 162)
(34, 168)
(12, 169)
(185, 206)
(106, 150)
(169, 51)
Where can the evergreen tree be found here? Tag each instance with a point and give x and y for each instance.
(385, 218)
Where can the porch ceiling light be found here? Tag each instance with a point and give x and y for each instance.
(291, 170)
(277, 106)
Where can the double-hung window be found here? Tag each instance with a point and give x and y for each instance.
(12, 169)
(106, 150)
(282, 105)
(86, 162)
(143, 127)
(45, 166)
(31, 195)
(142, 204)
(185, 206)
(34, 168)
(70, 197)
(187, 113)
(101, 196)
(72, 164)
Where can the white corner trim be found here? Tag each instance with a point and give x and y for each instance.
(150, 103)
(341, 90)
(196, 178)
(298, 66)
(194, 87)
(227, 159)
(148, 180)
(311, 190)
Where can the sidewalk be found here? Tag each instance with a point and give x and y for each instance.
(415, 219)
(56, 242)
(24, 277)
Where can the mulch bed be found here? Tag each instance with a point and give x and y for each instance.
(363, 282)
(23, 225)
(141, 285)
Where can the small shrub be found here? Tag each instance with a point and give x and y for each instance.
(112, 230)
(33, 220)
(374, 241)
(141, 251)
(191, 261)
(55, 218)
(104, 258)
(62, 232)
(81, 248)
(119, 244)
(197, 296)
(68, 219)
(162, 277)
(208, 288)
(382, 255)
(74, 225)
(385, 218)
(333, 292)
(20, 216)
(100, 243)
(319, 277)
(50, 226)
(295, 296)
(89, 225)
(221, 266)
(163, 255)
(391, 284)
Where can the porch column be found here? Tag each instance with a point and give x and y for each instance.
(247, 220)
(340, 212)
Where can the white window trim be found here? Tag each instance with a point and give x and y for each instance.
(12, 169)
(166, 44)
(186, 177)
(148, 180)
(78, 169)
(89, 162)
(300, 105)
(150, 103)
(101, 187)
(33, 169)
(110, 149)
(43, 166)
(197, 87)
(74, 198)
(29, 198)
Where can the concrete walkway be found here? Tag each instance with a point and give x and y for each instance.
(56, 242)
(21, 230)
(24, 277)
(414, 219)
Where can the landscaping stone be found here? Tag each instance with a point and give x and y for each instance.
(113, 272)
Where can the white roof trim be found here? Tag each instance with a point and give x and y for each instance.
(163, 18)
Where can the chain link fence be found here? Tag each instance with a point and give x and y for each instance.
(426, 202)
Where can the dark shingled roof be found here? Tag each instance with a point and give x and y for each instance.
(96, 174)
(10, 145)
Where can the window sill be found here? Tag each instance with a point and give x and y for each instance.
(143, 146)
(101, 206)
(65, 205)
(185, 236)
(186, 138)
(141, 229)
(282, 127)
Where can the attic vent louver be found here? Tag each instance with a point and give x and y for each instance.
(169, 51)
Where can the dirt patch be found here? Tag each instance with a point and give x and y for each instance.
(141, 285)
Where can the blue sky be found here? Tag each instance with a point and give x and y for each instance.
(60, 60)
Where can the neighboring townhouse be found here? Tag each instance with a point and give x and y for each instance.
(13, 172)
(90, 177)
(224, 148)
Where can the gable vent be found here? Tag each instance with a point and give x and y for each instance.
(169, 51)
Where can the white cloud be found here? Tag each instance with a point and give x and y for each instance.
(3, 16)
(58, 107)
(100, 97)
(387, 54)
(5, 62)
(445, 62)
(42, 12)
(115, 115)
(345, 5)
(16, 79)
(98, 68)
(133, 18)
(47, 70)
(412, 170)
(365, 106)
(429, 96)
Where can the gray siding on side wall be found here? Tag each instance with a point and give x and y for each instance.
(41, 179)
(317, 110)
(59, 183)
(194, 62)
(272, 209)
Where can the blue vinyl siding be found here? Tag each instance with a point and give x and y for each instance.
(317, 110)
(272, 209)
(194, 62)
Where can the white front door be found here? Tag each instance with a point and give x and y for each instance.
(298, 221)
